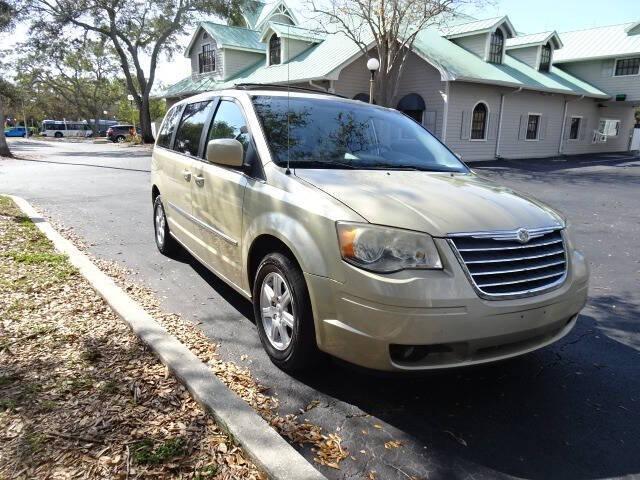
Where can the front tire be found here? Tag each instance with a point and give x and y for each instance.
(283, 313)
(58, 135)
(167, 245)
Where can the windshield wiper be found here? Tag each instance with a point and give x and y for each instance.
(322, 164)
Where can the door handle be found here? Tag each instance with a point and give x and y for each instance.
(187, 175)
(199, 180)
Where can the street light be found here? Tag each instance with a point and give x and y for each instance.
(133, 115)
(372, 65)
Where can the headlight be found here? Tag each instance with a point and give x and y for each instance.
(384, 250)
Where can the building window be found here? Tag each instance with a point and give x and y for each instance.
(575, 128)
(532, 127)
(206, 59)
(627, 66)
(413, 106)
(545, 58)
(608, 127)
(274, 50)
(496, 47)
(479, 122)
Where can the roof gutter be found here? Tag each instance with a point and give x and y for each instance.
(500, 115)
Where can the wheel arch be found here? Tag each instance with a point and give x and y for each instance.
(262, 245)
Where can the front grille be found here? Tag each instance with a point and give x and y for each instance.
(499, 265)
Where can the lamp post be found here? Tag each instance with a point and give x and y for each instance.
(133, 115)
(373, 64)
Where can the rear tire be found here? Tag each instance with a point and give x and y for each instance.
(58, 134)
(120, 139)
(283, 314)
(167, 245)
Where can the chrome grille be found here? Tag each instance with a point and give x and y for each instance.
(499, 265)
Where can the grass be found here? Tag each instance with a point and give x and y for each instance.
(6, 380)
(147, 452)
(66, 359)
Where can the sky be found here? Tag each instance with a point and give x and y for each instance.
(527, 17)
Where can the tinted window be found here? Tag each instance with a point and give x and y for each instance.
(229, 122)
(190, 129)
(168, 126)
(323, 133)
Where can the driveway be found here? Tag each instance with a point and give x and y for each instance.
(570, 411)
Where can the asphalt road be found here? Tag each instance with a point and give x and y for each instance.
(570, 411)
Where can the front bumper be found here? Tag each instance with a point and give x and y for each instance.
(372, 320)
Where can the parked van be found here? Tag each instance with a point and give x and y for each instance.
(356, 232)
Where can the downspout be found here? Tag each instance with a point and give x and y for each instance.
(445, 115)
(500, 115)
(564, 122)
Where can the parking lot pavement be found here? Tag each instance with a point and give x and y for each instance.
(570, 411)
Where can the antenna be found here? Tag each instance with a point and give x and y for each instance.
(288, 171)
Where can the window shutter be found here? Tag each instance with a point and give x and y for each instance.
(464, 128)
(584, 128)
(430, 121)
(523, 127)
(543, 127)
(607, 68)
(493, 126)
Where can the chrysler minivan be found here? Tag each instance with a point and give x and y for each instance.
(357, 233)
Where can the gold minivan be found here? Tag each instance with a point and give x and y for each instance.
(356, 232)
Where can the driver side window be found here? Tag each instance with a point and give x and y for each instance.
(229, 122)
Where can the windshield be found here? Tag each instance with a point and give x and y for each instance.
(328, 133)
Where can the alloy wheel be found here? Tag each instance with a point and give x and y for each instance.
(277, 310)
(160, 223)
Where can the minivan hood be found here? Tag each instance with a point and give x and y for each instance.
(432, 202)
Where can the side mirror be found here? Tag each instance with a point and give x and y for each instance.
(225, 151)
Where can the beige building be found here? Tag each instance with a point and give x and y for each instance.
(484, 90)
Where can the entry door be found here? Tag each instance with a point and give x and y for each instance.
(218, 194)
(183, 161)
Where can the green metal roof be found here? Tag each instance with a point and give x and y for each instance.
(456, 63)
(293, 32)
(325, 60)
(190, 86)
(533, 40)
(251, 12)
(601, 42)
(475, 27)
(239, 37)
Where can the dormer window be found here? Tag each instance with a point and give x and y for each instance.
(545, 58)
(274, 50)
(206, 59)
(496, 47)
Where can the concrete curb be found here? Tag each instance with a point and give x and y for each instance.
(269, 451)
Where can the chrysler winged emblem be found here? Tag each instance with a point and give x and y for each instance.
(523, 235)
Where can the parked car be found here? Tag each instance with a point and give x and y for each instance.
(119, 133)
(356, 232)
(15, 132)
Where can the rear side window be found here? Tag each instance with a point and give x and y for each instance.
(190, 129)
(229, 122)
(166, 131)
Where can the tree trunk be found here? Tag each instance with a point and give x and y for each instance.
(145, 120)
(4, 148)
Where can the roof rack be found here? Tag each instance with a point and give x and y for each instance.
(271, 86)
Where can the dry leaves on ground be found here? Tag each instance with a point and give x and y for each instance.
(327, 448)
(80, 397)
